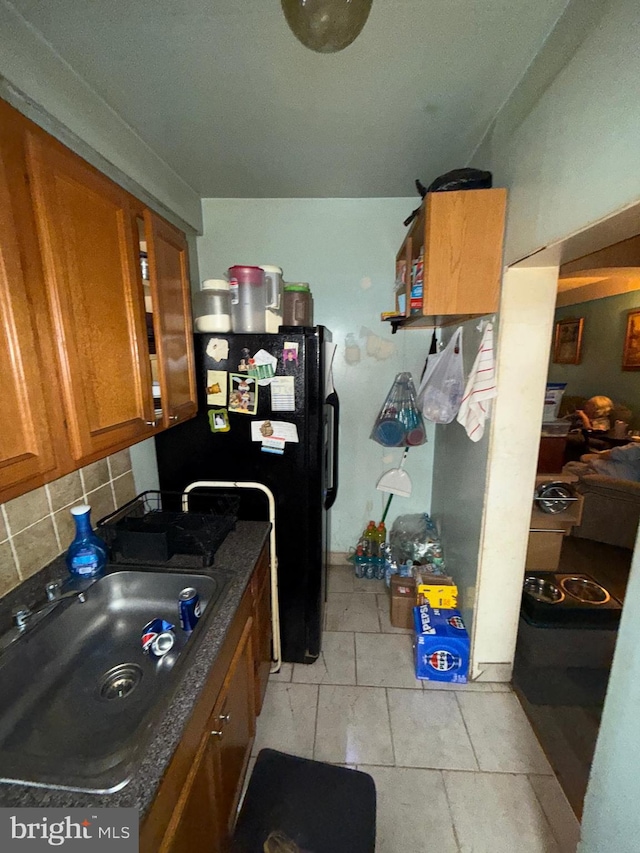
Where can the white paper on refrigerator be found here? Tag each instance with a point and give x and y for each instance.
(281, 429)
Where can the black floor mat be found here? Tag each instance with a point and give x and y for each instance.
(323, 808)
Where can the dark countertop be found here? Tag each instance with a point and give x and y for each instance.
(237, 556)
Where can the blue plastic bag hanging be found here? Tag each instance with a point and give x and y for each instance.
(399, 423)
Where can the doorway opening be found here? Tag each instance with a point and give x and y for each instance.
(585, 508)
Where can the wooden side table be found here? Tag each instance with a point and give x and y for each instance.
(551, 454)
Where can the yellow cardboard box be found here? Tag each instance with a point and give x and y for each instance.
(436, 590)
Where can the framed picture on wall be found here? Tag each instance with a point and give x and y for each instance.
(631, 354)
(567, 344)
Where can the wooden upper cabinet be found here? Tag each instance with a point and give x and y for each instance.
(461, 236)
(463, 251)
(76, 360)
(27, 453)
(170, 292)
(91, 265)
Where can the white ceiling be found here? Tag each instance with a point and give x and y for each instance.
(223, 92)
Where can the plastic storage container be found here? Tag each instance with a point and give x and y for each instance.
(212, 306)
(275, 292)
(248, 299)
(87, 554)
(298, 306)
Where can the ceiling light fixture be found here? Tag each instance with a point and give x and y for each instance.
(326, 26)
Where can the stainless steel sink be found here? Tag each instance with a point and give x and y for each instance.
(79, 697)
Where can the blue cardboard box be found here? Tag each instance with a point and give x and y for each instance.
(441, 644)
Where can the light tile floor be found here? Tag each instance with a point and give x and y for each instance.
(457, 767)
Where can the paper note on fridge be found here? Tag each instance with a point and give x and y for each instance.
(218, 349)
(281, 429)
(216, 387)
(283, 398)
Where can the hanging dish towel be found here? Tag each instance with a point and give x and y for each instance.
(480, 390)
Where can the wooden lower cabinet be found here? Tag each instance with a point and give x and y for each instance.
(196, 822)
(195, 807)
(233, 728)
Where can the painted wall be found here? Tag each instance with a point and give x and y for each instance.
(459, 489)
(31, 66)
(600, 370)
(573, 159)
(345, 249)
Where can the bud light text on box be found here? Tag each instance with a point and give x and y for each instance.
(77, 829)
(441, 644)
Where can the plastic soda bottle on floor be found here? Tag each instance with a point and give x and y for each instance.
(379, 568)
(370, 537)
(360, 562)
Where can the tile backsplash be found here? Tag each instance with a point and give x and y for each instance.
(38, 526)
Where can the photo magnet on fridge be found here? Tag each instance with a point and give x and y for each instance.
(290, 354)
(246, 361)
(243, 394)
(219, 420)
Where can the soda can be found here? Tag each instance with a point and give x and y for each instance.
(189, 607)
(157, 638)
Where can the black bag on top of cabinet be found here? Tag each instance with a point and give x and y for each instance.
(457, 179)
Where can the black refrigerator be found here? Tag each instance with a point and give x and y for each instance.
(237, 435)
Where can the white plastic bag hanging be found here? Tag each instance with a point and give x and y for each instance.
(444, 386)
(429, 367)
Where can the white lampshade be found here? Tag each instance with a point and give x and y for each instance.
(326, 26)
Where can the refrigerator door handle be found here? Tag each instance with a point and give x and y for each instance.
(332, 491)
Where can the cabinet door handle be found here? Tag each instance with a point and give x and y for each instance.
(216, 733)
(224, 718)
(173, 417)
(150, 423)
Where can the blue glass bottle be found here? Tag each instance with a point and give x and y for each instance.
(87, 554)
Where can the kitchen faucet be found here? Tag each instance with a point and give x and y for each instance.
(54, 595)
(23, 616)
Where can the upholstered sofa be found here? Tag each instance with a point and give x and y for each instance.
(611, 510)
